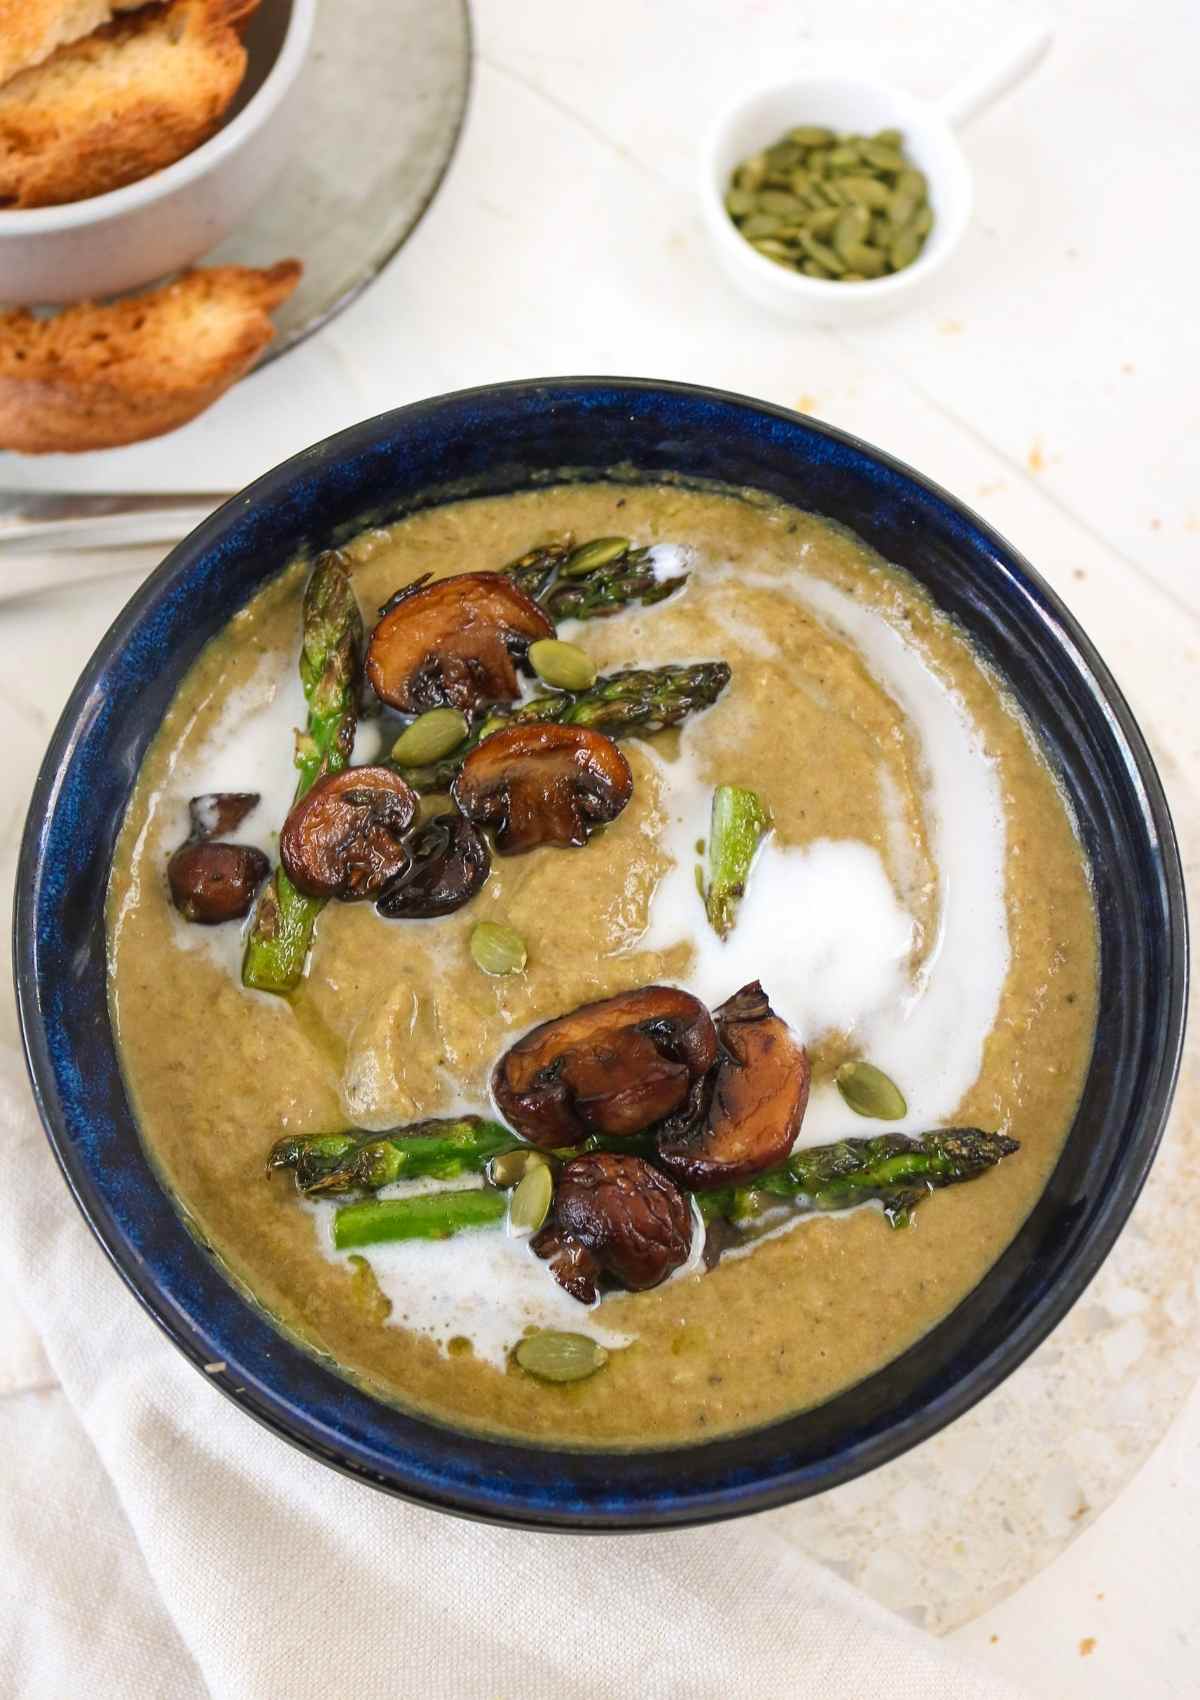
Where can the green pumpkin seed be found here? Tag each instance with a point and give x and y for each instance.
(510, 1167)
(751, 172)
(530, 1202)
(865, 192)
(843, 158)
(867, 262)
(497, 949)
(560, 1357)
(772, 249)
(563, 665)
(922, 222)
(850, 230)
(810, 268)
(779, 201)
(600, 552)
(430, 737)
(820, 224)
(823, 255)
(904, 249)
(912, 182)
(784, 156)
(882, 158)
(811, 136)
(869, 1092)
(739, 203)
(761, 224)
(903, 205)
(889, 138)
(800, 182)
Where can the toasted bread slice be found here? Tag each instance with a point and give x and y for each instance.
(125, 101)
(95, 377)
(30, 30)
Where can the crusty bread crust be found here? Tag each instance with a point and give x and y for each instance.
(94, 377)
(30, 30)
(121, 103)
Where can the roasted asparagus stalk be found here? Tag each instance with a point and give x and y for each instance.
(330, 657)
(637, 700)
(354, 1161)
(597, 578)
(894, 1169)
(428, 1216)
(740, 820)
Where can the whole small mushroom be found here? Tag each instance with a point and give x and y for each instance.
(452, 643)
(345, 838)
(543, 784)
(614, 1216)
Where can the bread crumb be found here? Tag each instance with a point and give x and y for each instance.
(992, 1639)
(1087, 1646)
(1036, 457)
(806, 404)
(214, 1369)
(951, 327)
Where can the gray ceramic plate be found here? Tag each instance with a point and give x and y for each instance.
(384, 92)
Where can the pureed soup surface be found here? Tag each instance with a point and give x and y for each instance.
(922, 901)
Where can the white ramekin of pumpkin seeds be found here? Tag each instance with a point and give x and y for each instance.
(834, 198)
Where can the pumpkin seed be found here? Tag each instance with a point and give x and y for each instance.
(366, 1291)
(810, 268)
(530, 1201)
(821, 223)
(552, 1356)
(811, 136)
(867, 262)
(843, 158)
(889, 138)
(800, 182)
(913, 182)
(904, 249)
(740, 202)
(923, 221)
(865, 191)
(882, 158)
(497, 949)
(903, 205)
(869, 1092)
(771, 249)
(823, 255)
(510, 1167)
(761, 224)
(779, 201)
(430, 737)
(751, 172)
(600, 552)
(850, 230)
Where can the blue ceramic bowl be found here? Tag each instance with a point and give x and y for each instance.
(504, 438)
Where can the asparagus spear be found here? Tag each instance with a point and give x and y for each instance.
(331, 645)
(894, 1169)
(588, 582)
(638, 700)
(347, 1162)
(739, 821)
(429, 1216)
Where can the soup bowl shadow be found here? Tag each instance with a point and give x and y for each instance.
(513, 437)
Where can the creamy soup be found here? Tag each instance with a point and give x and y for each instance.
(921, 902)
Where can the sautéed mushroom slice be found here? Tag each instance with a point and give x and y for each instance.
(543, 784)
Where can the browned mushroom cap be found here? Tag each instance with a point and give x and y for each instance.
(449, 862)
(746, 1116)
(614, 1216)
(218, 813)
(543, 784)
(613, 1067)
(211, 883)
(345, 837)
(453, 643)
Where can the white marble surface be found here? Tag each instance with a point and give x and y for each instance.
(1053, 385)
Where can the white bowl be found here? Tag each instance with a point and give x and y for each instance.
(54, 255)
(845, 103)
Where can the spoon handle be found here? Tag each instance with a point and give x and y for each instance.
(1020, 55)
(32, 519)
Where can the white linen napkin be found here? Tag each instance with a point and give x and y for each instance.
(156, 1544)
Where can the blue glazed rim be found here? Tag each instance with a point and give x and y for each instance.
(510, 436)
